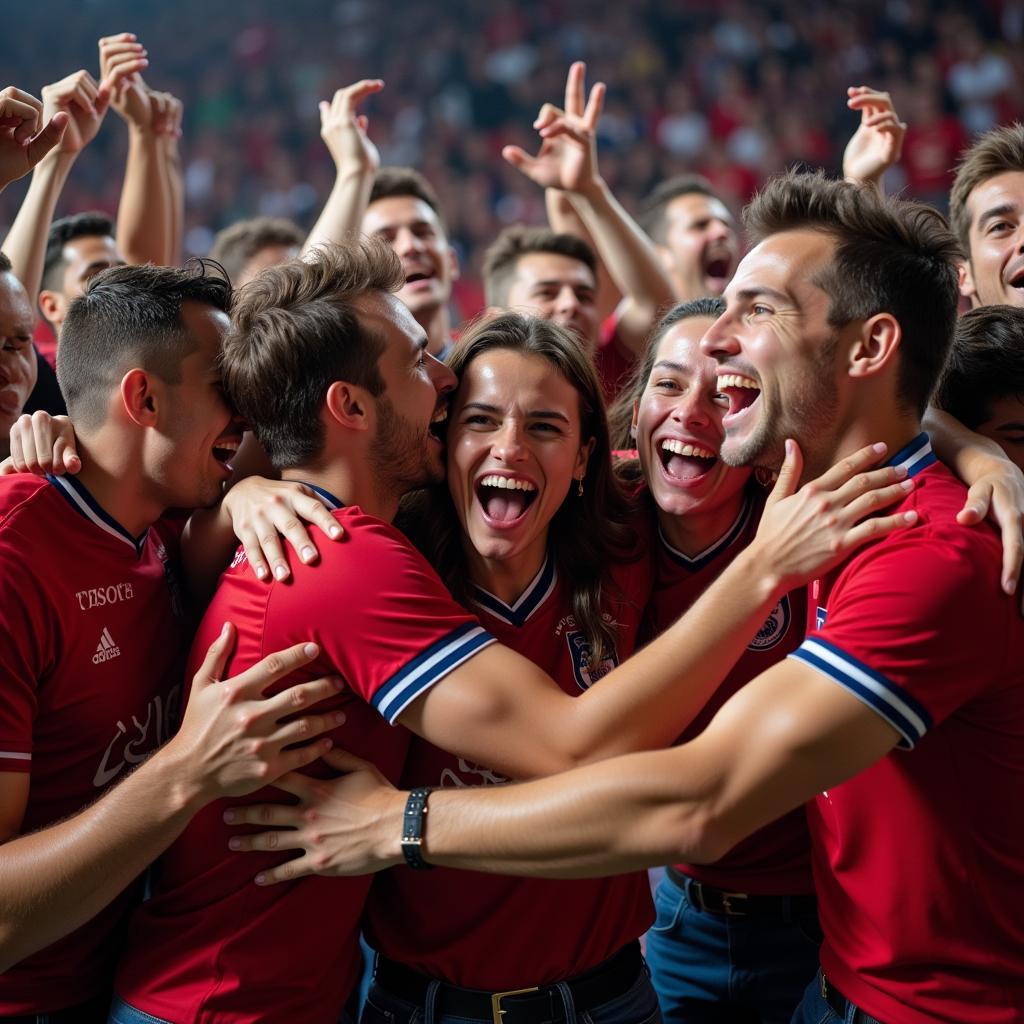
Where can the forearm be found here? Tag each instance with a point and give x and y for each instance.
(25, 244)
(966, 453)
(54, 880)
(630, 258)
(176, 198)
(143, 216)
(342, 214)
(648, 701)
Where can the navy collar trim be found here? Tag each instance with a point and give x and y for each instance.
(330, 500)
(74, 492)
(710, 553)
(915, 456)
(536, 593)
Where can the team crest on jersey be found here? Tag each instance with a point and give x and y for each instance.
(774, 629)
(585, 672)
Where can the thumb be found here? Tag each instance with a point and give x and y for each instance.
(517, 157)
(343, 761)
(212, 668)
(39, 146)
(789, 474)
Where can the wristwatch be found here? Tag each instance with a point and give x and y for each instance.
(412, 828)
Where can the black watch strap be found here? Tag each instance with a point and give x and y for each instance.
(413, 828)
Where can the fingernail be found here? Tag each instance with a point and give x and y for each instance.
(880, 447)
(335, 532)
(311, 650)
(280, 572)
(910, 517)
(1010, 586)
(340, 718)
(229, 817)
(328, 744)
(308, 553)
(224, 629)
(261, 572)
(900, 471)
(261, 879)
(907, 485)
(233, 844)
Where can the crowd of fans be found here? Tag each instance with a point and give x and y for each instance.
(736, 91)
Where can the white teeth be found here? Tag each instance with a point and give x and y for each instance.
(228, 445)
(441, 415)
(678, 448)
(507, 483)
(734, 380)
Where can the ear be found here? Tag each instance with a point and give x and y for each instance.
(876, 346)
(348, 406)
(139, 396)
(582, 458)
(968, 289)
(53, 306)
(453, 263)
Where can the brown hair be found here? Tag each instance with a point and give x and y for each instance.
(891, 256)
(236, 244)
(996, 152)
(295, 331)
(654, 207)
(403, 181)
(503, 255)
(587, 533)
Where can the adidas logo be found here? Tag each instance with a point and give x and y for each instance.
(106, 648)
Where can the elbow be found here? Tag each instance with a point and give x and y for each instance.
(700, 836)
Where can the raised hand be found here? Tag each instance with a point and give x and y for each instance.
(567, 158)
(167, 111)
(80, 97)
(878, 141)
(344, 131)
(122, 59)
(25, 135)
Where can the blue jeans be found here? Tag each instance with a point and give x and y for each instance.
(716, 969)
(814, 1010)
(639, 1005)
(122, 1013)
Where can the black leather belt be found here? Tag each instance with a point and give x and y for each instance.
(841, 1004)
(739, 904)
(536, 1005)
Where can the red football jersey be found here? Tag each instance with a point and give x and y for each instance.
(776, 859)
(492, 932)
(918, 859)
(613, 359)
(91, 668)
(211, 945)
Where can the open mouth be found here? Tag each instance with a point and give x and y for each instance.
(685, 462)
(224, 450)
(439, 424)
(505, 499)
(1017, 281)
(741, 391)
(718, 268)
(419, 275)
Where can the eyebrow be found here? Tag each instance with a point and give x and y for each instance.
(997, 211)
(769, 293)
(667, 364)
(533, 414)
(579, 285)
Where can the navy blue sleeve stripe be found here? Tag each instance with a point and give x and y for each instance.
(906, 715)
(429, 667)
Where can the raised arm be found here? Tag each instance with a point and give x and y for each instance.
(143, 215)
(167, 118)
(356, 161)
(84, 102)
(567, 160)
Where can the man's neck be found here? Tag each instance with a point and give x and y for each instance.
(438, 326)
(351, 486)
(895, 428)
(117, 483)
(697, 531)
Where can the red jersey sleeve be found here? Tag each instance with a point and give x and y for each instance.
(382, 615)
(906, 621)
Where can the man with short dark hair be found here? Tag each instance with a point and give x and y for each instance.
(94, 630)
(982, 384)
(909, 740)
(246, 247)
(986, 209)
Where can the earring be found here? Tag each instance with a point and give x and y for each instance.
(579, 488)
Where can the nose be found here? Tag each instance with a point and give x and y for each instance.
(691, 410)
(407, 242)
(718, 230)
(719, 341)
(441, 374)
(566, 303)
(507, 444)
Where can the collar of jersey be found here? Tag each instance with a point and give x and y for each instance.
(710, 553)
(330, 500)
(74, 492)
(529, 601)
(915, 456)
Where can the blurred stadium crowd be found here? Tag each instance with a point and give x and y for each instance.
(736, 90)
